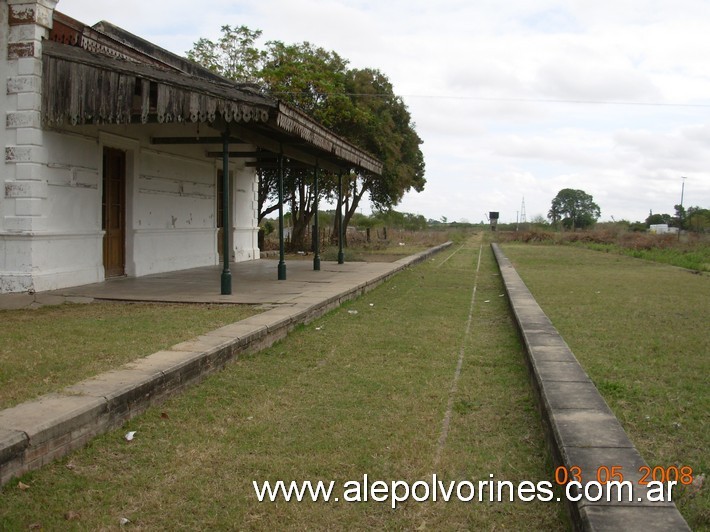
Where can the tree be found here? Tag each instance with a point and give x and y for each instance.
(308, 77)
(381, 123)
(680, 219)
(698, 219)
(657, 219)
(312, 79)
(538, 219)
(233, 56)
(574, 209)
(359, 105)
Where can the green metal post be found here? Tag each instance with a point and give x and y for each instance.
(316, 242)
(282, 262)
(341, 255)
(226, 223)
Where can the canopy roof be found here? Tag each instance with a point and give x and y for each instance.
(105, 75)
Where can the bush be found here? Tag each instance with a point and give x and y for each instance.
(533, 235)
(692, 251)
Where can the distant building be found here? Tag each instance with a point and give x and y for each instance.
(662, 229)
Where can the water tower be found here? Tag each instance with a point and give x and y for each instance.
(493, 217)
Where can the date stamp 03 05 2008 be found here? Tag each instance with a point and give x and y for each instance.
(652, 477)
(682, 475)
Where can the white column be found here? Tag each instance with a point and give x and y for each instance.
(246, 214)
(23, 196)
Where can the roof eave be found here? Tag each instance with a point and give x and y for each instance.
(297, 123)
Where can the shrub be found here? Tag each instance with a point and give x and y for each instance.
(692, 251)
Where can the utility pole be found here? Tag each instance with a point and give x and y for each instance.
(680, 213)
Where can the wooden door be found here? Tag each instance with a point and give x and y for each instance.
(114, 212)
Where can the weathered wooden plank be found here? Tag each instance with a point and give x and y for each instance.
(100, 89)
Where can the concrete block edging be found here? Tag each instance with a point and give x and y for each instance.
(580, 429)
(34, 433)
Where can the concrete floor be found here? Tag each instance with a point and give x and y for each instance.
(253, 282)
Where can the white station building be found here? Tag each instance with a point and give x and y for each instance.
(114, 152)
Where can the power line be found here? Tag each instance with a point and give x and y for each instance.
(558, 100)
(505, 99)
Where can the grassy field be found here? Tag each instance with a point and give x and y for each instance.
(43, 350)
(691, 251)
(366, 389)
(690, 256)
(640, 329)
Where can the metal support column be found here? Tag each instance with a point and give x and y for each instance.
(226, 221)
(282, 262)
(341, 255)
(316, 241)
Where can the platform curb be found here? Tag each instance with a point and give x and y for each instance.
(36, 432)
(580, 429)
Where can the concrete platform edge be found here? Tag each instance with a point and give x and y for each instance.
(580, 429)
(104, 402)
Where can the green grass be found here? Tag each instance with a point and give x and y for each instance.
(43, 350)
(640, 329)
(694, 258)
(349, 394)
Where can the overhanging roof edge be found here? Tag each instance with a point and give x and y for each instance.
(71, 76)
(78, 59)
(296, 122)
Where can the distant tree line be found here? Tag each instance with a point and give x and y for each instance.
(694, 219)
(391, 219)
(575, 209)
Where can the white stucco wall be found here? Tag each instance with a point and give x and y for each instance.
(23, 196)
(171, 208)
(50, 201)
(246, 211)
(173, 220)
(171, 203)
(4, 141)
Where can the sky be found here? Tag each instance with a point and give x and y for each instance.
(514, 100)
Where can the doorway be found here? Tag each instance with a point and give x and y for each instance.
(113, 212)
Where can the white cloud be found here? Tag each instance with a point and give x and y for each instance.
(477, 77)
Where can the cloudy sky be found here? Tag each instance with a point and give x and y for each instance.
(514, 100)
